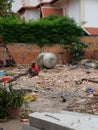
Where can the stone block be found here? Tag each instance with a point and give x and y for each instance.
(46, 121)
(63, 120)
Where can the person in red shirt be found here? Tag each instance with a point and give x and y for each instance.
(33, 70)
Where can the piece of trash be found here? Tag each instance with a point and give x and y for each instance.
(90, 95)
(78, 82)
(63, 99)
(24, 120)
(88, 72)
(6, 78)
(95, 93)
(30, 97)
(89, 90)
(2, 73)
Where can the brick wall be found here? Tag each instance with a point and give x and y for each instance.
(25, 53)
(92, 50)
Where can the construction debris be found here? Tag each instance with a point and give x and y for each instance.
(60, 88)
(90, 80)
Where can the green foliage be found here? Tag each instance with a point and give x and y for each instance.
(51, 30)
(3, 102)
(16, 99)
(76, 49)
(5, 5)
(10, 99)
(9, 19)
(26, 110)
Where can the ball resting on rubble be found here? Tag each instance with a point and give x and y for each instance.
(48, 60)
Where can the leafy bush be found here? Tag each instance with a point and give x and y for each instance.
(3, 103)
(16, 99)
(76, 49)
(9, 19)
(50, 30)
(10, 99)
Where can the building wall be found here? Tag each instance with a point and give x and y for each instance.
(46, 11)
(91, 9)
(26, 2)
(79, 10)
(74, 11)
(16, 5)
(25, 53)
(33, 2)
(32, 14)
(62, 4)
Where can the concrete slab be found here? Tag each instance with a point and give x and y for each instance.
(26, 126)
(63, 120)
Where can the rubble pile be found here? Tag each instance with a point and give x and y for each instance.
(61, 88)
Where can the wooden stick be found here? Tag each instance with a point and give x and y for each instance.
(90, 80)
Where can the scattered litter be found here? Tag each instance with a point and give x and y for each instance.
(89, 90)
(6, 78)
(30, 97)
(51, 84)
(88, 72)
(24, 120)
(63, 99)
(2, 72)
(95, 93)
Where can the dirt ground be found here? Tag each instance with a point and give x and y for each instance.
(62, 88)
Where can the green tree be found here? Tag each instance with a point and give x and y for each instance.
(5, 5)
(63, 30)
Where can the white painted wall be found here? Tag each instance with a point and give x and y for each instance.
(32, 14)
(16, 5)
(73, 10)
(91, 10)
(25, 2)
(34, 2)
(45, 0)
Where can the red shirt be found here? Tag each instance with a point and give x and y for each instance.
(35, 68)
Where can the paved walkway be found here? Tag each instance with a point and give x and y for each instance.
(14, 124)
